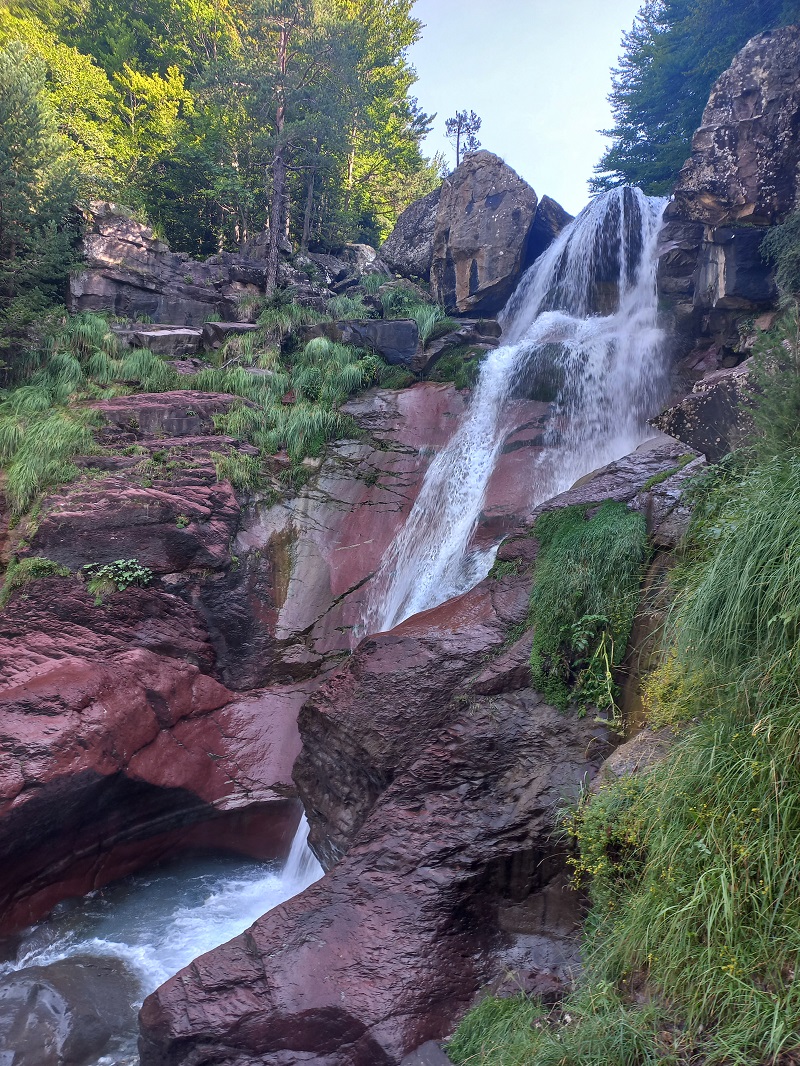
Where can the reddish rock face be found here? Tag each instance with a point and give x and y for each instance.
(431, 776)
(115, 739)
(387, 951)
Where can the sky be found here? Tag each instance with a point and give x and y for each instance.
(538, 73)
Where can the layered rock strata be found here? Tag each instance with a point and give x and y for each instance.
(742, 176)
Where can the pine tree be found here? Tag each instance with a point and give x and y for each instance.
(670, 60)
(38, 187)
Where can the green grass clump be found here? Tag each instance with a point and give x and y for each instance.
(345, 307)
(244, 472)
(36, 449)
(461, 365)
(370, 283)
(591, 1029)
(22, 572)
(665, 475)
(583, 601)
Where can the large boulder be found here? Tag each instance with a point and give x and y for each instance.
(394, 339)
(482, 224)
(408, 250)
(743, 175)
(713, 418)
(746, 153)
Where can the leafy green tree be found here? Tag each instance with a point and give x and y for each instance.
(38, 188)
(670, 60)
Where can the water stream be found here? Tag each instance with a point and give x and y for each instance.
(581, 330)
(147, 927)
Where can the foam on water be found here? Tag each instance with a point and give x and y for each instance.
(157, 923)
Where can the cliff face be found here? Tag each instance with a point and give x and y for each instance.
(743, 175)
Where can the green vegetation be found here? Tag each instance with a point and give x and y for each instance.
(21, 572)
(38, 186)
(103, 579)
(665, 475)
(583, 601)
(670, 59)
(178, 110)
(461, 365)
(782, 246)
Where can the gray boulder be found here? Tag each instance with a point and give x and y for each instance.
(480, 239)
(408, 250)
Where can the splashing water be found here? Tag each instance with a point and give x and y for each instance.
(156, 923)
(583, 322)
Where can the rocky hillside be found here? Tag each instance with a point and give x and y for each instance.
(194, 511)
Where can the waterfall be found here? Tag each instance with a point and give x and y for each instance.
(581, 329)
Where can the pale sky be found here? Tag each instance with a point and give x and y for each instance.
(538, 74)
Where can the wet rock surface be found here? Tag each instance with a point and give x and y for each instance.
(430, 774)
(66, 1013)
(387, 951)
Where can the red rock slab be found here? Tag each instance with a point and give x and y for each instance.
(116, 741)
(389, 948)
(370, 716)
(187, 521)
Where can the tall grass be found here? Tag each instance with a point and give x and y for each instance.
(583, 600)
(343, 307)
(370, 283)
(693, 937)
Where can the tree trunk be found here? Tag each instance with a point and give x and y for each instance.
(278, 168)
(306, 238)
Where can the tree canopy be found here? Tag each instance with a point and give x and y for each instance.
(217, 118)
(670, 60)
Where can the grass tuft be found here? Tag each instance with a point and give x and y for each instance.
(583, 601)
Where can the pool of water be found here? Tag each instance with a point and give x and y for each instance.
(121, 942)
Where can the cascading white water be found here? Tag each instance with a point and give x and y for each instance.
(584, 319)
(154, 924)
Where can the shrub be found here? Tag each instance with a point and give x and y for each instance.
(105, 578)
(583, 601)
(781, 246)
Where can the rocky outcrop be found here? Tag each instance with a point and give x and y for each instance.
(455, 862)
(746, 154)
(713, 418)
(742, 176)
(394, 339)
(548, 222)
(123, 738)
(117, 740)
(482, 224)
(132, 274)
(408, 250)
(431, 775)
